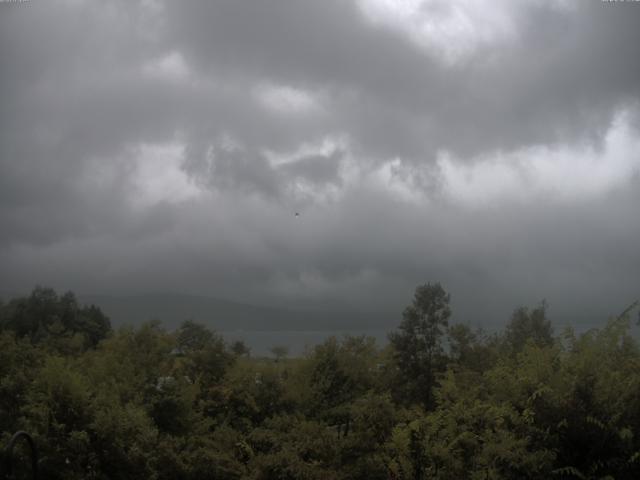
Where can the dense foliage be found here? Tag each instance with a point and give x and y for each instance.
(439, 402)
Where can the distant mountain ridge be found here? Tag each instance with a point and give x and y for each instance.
(227, 315)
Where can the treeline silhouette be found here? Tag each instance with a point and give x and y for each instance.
(440, 401)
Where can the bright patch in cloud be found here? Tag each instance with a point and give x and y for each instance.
(158, 175)
(451, 29)
(325, 147)
(565, 173)
(287, 100)
(171, 66)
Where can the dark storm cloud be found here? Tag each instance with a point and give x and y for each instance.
(166, 145)
(562, 74)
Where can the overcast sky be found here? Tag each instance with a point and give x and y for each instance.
(165, 147)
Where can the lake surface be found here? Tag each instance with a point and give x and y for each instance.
(298, 341)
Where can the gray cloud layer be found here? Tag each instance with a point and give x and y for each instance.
(164, 146)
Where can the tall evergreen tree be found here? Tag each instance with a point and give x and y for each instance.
(417, 346)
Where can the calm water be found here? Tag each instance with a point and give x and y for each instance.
(298, 341)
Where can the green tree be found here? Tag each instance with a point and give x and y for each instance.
(193, 336)
(291, 448)
(206, 355)
(240, 349)
(339, 372)
(57, 321)
(279, 352)
(417, 346)
(364, 452)
(529, 325)
(20, 362)
(472, 350)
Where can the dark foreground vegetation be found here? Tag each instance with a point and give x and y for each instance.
(439, 402)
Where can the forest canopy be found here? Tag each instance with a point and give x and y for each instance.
(439, 401)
